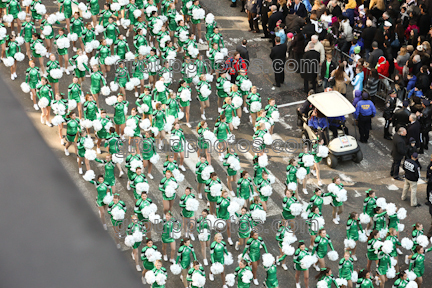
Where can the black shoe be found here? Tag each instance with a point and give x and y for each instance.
(233, 5)
(427, 203)
(398, 178)
(418, 205)
(276, 85)
(265, 37)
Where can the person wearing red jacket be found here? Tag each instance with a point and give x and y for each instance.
(383, 66)
(234, 64)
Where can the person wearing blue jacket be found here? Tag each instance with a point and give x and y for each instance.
(357, 97)
(319, 123)
(415, 92)
(412, 79)
(357, 82)
(365, 110)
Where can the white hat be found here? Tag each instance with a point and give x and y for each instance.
(387, 24)
(420, 48)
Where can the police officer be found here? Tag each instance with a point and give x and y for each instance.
(412, 175)
(388, 113)
(364, 113)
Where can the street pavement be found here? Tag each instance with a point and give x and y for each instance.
(372, 172)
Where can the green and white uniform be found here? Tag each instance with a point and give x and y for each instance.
(121, 205)
(134, 227)
(90, 110)
(218, 251)
(102, 191)
(109, 171)
(45, 91)
(245, 224)
(222, 131)
(184, 198)
(139, 205)
(145, 99)
(209, 183)
(191, 272)
(230, 172)
(198, 169)
(146, 263)
(320, 246)
(72, 128)
(169, 227)
(222, 208)
(164, 184)
(203, 224)
(346, 268)
(253, 248)
(141, 178)
(245, 188)
(149, 148)
(286, 203)
(95, 82)
(184, 257)
(353, 227)
(298, 256)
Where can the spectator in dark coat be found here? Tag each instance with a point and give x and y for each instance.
(274, 18)
(401, 116)
(242, 49)
(294, 23)
(398, 152)
(297, 48)
(326, 70)
(253, 8)
(423, 81)
(426, 122)
(265, 9)
(278, 56)
(298, 8)
(423, 21)
(374, 55)
(336, 10)
(414, 130)
(368, 36)
(309, 67)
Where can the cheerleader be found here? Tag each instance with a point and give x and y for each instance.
(44, 90)
(211, 54)
(401, 281)
(379, 219)
(184, 258)
(103, 51)
(72, 129)
(316, 200)
(253, 248)
(116, 224)
(165, 182)
(104, 132)
(371, 253)
(184, 100)
(152, 61)
(256, 205)
(271, 280)
(231, 173)
(253, 96)
(369, 205)
(178, 148)
(417, 231)
(188, 69)
(78, 29)
(140, 38)
(263, 182)
(36, 39)
(170, 227)
(204, 227)
(337, 205)
(202, 163)
(59, 101)
(161, 93)
(144, 102)
(134, 140)
(140, 204)
(51, 65)
(203, 143)
(12, 49)
(259, 133)
(188, 216)
(245, 187)
(140, 71)
(158, 269)
(270, 108)
(147, 264)
(222, 213)
(326, 275)
(320, 248)
(314, 225)
(74, 93)
(135, 226)
(218, 251)
(221, 93)
(133, 156)
(283, 227)
(121, 47)
(132, 15)
(214, 179)
(158, 121)
(168, 51)
(90, 108)
(364, 280)
(120, 114)
(353, 228)
(291, 172)
(196, 269)
(148, 151)
(105, 14)
(384, 264)
(301, 163)
(221, 131)
(233, 94)
(416, 263)
(196, 23)
(66, 8)
(394, 222)
(151, 21)
(110, 33)
(49, 37)
(102, 189)
(171, 13)
(137, 178)
(170, 164)
(346, 268)
(392, 236)
(28, 29)
(203, 97)
(229, 112)
(88, 36)
(172, 106)
(13, 8)
(122, 77)
(246, 225)
(190, 42)
(299, 254)
(244, 93)
(316, 169)
(94, 10)
(95, 83)
(109, 166)
(62, 52)
(287, 201)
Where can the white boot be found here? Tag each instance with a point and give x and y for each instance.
(128, 185)
(230, 242)
(138, 268)
(205, 262)
(98, 151)
(211, 277)
(80, 171)
(66, 152)
(36, 107)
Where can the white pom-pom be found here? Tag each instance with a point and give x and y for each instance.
(40, 9)
(72, 104)
(387, 246)
(25, 87)
(271, 178)
(307, 261)
(117, 213)
(423, 241)
(99, 29)
(203, 236)
(383, 233)
(145, 123)
(209, 19)
(333, 255)
(391, 209)
(341, 195)
(205, 174)
(150, 277)
(108, 198)
(247, 276)
(137, 13)
(43, 102)
(349, 243)
(129, 55)
(177, 174)
(268, 140)
(57, 120)
(129, 86)
(381, 202)
(393, 261)
(275, 116)
(129, 241)
(216, 268)
(111, 100)
(73, 37)
(401, 213)
(89, 175)
(135, 164)
(185, 95)
(95, 44)
(268, 259)
(332, 187)
(228, 259)
(192, 204)
(229, 279)
(377, 245)
(411, 276)
(322, 284)
(308, 160)
(364, 218)
(176, 269)
(131, 123)
(170, 190)
(8, 18)
(193, 52)
(288, 249)
(154, 159)
(97, 125)
(205, 91)
(259, 215)
(105, 90)
(391, 273)
(142, 187)
(255, 107)
(168, 127)
(296, 208)
(301, 173)
(354, 276)
(227, 88)
(216, 190)
(322, 151)
(160, 86)
(87, 124)
(116, 159)
(237, 101)
(149, 209)
(82, 7)
(19, 56)
(246, 85)
(412, 284)
(90, 154)
(114, 86)
(263, 160)
(341, 282)
(22, 15)
(198, 14)
(266, 191)
(362, 237)
(144, 50)
(56, 73)
(292, 186)
(198, 280)
(94, 61)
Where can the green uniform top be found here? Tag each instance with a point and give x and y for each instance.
(114, 143)
(371, 252)
(219, 86)
(222, 208)
(298, 256)
(203, 224)
(353, 227)
(245, 224)
(162, 270)
(121, 205)
(253, 247)
(369, 204)
(346, 268)
(379, 221)
(329, 279)
(201, 84)
(183, 256)
(271, 280)
(73, 126)
(120, 111)
(109, 170)
(94, 7)
(12, 49)
(415, 234)
(103, 51)
(218, 251)
(102, 189)
(186, 213)
(139, 205)
(384, 263)
(291, 174)
(111, 31)
(168, 165)
(27, 30)
(280, 234)
(45, 91)
(13, 8)
(316, 201)
(393, 222)
(146, 262)
(66, 8)
(227, 165)
(208, 184)
(270, 109)
(88, 35)
(122, 76)
(364, 283)
(239, 274)
(32, 75)
(245, 188)
(75, 92)
(169, 227)
(103, 133)
(209, 29)
(335, 202)
(164, 184)
(400, 283)
(320, 246)
(95, 81)
(395, 242)
(217, 38)
(253, 98)
(35, 15)
(135, 180)
(222, 130)
(192, 271)
(229, 111)
(145, 99)
(90, 110)
(104, 17)
(286, 203)
(77, 26)
(417, 263)
(199, 167)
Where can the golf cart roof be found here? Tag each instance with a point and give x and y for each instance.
(331, 104)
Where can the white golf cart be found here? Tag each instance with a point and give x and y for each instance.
(344, 147)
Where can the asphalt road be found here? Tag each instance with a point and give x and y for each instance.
(372, 172)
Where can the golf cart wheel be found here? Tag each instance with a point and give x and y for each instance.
(332, 161)
(358, 157)
(304, 136)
